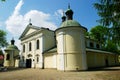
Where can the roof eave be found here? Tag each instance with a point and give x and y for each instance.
(72, 26)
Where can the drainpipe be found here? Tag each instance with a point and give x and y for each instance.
(13, 59)
(43, 60)
(63, 53)
(41, 51)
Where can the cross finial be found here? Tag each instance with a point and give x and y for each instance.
(12, 38)
(69, 13)
(63, 13)
(30, 22)
(12, 41)
(68, 5)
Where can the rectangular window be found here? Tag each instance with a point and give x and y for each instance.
(91, 45)
(30, 46)
(23, 48)
(8, 57)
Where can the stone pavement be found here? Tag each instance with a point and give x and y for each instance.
(111, 73)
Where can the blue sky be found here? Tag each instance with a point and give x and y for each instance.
(15, 14)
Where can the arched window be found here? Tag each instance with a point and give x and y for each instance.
(37, 59)
(97, 46)
(23, 48)
(30, 46)
(23, 58)
(37, 44)
(91, 45)
(8, 57)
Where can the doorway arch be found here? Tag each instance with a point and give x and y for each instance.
(28, 63)
(106, 62)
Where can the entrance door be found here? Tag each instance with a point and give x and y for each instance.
(106, 62)
(28, 63)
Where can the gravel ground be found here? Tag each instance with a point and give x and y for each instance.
(111, 73)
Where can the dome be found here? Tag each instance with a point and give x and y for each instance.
(69, 11)
(68, 23)
(12, 47)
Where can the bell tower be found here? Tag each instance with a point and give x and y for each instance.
(71, 44)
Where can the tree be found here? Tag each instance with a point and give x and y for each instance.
(3, 41)
(99, 33)
(109, 11)
(110, 46)
(3, 0)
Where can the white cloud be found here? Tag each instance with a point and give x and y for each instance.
(17, 42)
(1, 23)
(40, 18)
(16, 23)
(59, 13)
(18, 7)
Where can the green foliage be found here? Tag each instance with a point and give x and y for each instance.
(109, 11)
(111, 46)
(3, 0)
(3, 41)
(99, 33)
(87, 34)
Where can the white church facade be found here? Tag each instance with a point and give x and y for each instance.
(65, 49)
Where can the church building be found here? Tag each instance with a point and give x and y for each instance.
(67, 48)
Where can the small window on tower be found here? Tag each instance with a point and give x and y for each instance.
(8, 57)
(97, 46)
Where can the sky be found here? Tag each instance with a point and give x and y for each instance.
(15, 15)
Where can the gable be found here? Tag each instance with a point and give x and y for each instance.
(29, 30)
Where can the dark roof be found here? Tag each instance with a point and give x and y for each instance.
(12, 47)
(53, 49)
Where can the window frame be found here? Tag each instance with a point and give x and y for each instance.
(24, 48)
(30, 46)
(38, 44)
(97, 46)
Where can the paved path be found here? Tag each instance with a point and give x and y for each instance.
(112, 73)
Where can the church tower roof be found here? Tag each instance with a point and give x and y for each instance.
(69, 13)
(12, 41)
(63, 17)
(69, 21)
(12, 46)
